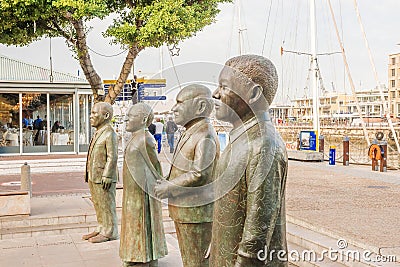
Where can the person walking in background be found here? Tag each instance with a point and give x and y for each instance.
(158, 135)
(170, 129)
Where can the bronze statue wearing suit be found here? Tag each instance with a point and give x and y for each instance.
(102, 173)
(192, 167)
(142, 231)
(249, 216)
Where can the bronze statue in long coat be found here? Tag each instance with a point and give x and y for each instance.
(142, 233)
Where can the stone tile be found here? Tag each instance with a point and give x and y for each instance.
(44, 221)
(69, 264)
(6, 236)
(66, 257)
(51, 240)
(71, 219)
(21, 235)
(17, 243)
(10, 223)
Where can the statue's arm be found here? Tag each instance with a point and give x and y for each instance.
(152, 154)
(263, 206)
(205, 153)
(110, 167)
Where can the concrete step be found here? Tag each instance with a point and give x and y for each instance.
(296, 258)
(336, 252)
(28, 226)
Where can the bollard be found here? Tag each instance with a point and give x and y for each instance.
(383, 163)
(321, 144)
(332, 155)
(346, 151)
(26, 184)
(374, 161)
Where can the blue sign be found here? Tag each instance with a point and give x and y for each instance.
(152, 85)
(142, 96)
(308, 140)
(126, 92)
(160, 97)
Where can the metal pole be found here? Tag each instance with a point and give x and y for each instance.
(383, 163)
(316, 126)
(321, 145)
(346, 150)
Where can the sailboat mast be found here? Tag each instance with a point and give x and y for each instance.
(316, 126)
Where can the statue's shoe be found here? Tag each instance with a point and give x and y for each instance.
(90, 235)
(99, 239)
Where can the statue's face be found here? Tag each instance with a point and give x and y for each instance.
(135, 120)
(232, 94)
(97, 117)
(184, 110)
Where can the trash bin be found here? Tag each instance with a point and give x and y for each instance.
(332, 155)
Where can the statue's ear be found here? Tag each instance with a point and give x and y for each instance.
(202, 106)
(256, 94)
(107, 115)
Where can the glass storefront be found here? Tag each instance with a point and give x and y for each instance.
(35, 122)
(9, 123)
(61, 124)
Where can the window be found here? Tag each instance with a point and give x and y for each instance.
(393, 83)
(393, 72)
(393, 61)
(340, 103)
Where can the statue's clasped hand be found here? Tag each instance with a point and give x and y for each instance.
(161, 189)
(106, 183)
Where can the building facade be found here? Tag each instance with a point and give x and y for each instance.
(42, 117)
(394, 84)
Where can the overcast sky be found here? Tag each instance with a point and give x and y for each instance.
(286, 24)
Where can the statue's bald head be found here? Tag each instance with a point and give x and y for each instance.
(201, 95)
(105, 108)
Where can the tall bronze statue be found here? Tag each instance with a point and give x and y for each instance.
(142, 232)
(191, 172)
(249, 215)
(102, 173)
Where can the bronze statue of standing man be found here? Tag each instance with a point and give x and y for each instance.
(190, 177)
(249, 215)
(142, 231)
(102, 173)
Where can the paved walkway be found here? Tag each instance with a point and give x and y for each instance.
(351, 203)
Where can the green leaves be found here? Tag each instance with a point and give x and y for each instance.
(153, 23)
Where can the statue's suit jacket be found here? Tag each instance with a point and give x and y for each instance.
(102, 156)
(193, 165)
(249, 217)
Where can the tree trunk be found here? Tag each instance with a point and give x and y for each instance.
(85, 61)
(115, 90)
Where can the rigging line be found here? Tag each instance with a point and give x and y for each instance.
(266, 28)
(229, 50)
(349, 75)
(309, 54)
(341, 27)
(384, 102)
(176, 74)
(273, 33)
(99, 54)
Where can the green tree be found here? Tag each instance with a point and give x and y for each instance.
(138, 24)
